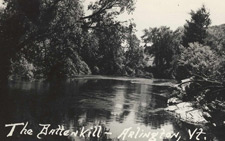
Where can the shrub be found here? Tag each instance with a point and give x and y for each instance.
(200, 60)
(22, 69)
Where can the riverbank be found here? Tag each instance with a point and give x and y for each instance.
(191, 103)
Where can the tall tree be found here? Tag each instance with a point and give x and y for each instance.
(110, 36)
(160, 43)
(13, 25)
(134, 52)
(107, 33)
(195, 29)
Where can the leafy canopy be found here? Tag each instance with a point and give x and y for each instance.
(195, 29)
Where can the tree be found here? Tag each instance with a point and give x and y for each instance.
(110, 36)
(49, 34)
(134, 53)
(201, 60)
(103, 7)
(195, 29)
(13, 25)
(107, 35)
(160, 44)
(49, 38)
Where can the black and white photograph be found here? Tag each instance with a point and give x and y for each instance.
(112, 70)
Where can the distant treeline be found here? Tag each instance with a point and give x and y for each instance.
(55, 39)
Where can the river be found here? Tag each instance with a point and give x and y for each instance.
(119, 103)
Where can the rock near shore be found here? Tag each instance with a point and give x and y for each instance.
(186, 112)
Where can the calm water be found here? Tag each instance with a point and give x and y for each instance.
(116, 103)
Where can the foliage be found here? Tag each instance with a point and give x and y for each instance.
(89, 51)
(216, 38)
(59, 40)
(206, 86)
(12, 27)
(134, 53)
(195, 29)
(161, 43)
(22, 69)
(69, 67)
(201, 60)
(103, 7)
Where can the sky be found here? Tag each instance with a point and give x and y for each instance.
(171, 13)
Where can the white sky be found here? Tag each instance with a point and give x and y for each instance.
(171, 13)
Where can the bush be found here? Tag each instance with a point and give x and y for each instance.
(69, 67)
(22, 69)
(201, 61)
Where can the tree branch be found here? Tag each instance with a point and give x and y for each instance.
(103, 8)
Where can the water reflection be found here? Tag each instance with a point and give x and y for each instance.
(74, 103)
